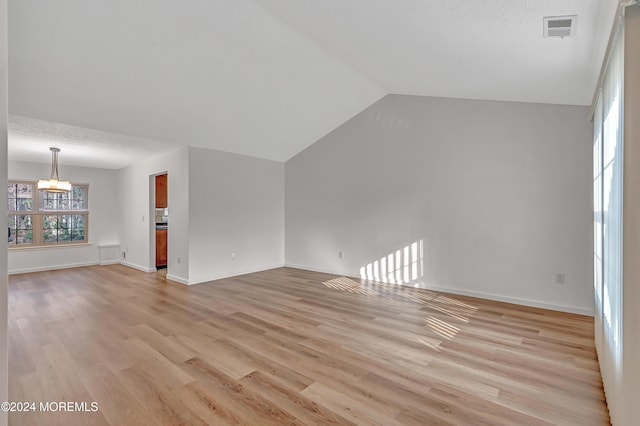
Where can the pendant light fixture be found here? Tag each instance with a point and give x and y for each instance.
(54, 184)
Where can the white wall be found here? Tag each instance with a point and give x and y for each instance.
(630, 374)
(499, 195)
(102, 221)
(3, 194)
(135, 208)
(236, 205)
(219, 204)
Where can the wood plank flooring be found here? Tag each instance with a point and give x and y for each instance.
(288, 346)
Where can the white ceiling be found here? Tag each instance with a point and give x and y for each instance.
(30, 140)
(479, 49)
(268, 78)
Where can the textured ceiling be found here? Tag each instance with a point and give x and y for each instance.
(30, 140)
(268, 78)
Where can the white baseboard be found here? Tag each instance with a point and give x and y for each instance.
(307, 268)
(515, 300)
(480, 295)
(138, 267)
(235, 274)
(108, 262)
(177, 279)
(108, 245)
(50, 268)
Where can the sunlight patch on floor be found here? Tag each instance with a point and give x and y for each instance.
(442, 328)
(349, 285)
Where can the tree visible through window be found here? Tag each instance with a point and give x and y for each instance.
(46, 218)
(20, 202)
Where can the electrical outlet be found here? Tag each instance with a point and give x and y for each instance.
(179, 260)
(233, 255)
(560, 278)
(124, 254)
(340, 254)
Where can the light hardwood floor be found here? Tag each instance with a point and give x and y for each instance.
(288, 346)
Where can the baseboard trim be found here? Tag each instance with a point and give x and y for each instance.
(138, 267)
(322, 271)
(177, 279)
(515, 300)
(108, 262)
(235, 274)
(51, 268)
(479, 295)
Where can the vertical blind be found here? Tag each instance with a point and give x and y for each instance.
(597, 220)
(607, 190)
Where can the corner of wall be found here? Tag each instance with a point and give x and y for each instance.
(4, 97)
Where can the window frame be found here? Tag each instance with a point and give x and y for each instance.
(38, 214)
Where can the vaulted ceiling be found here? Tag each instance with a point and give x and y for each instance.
(267, 78)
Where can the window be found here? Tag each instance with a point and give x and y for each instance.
(38, 218)
(20, 199)
(608, 183)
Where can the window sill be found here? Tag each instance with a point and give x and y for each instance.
(49, 247)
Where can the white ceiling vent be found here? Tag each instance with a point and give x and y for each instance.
(560, 26)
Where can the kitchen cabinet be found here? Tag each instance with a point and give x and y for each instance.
(161, 248)
(161, 192)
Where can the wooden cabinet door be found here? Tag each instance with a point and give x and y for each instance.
(161, 192)
(161, 247)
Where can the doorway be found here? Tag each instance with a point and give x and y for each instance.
(161, 222)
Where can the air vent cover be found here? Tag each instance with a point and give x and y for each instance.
(560, 26)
